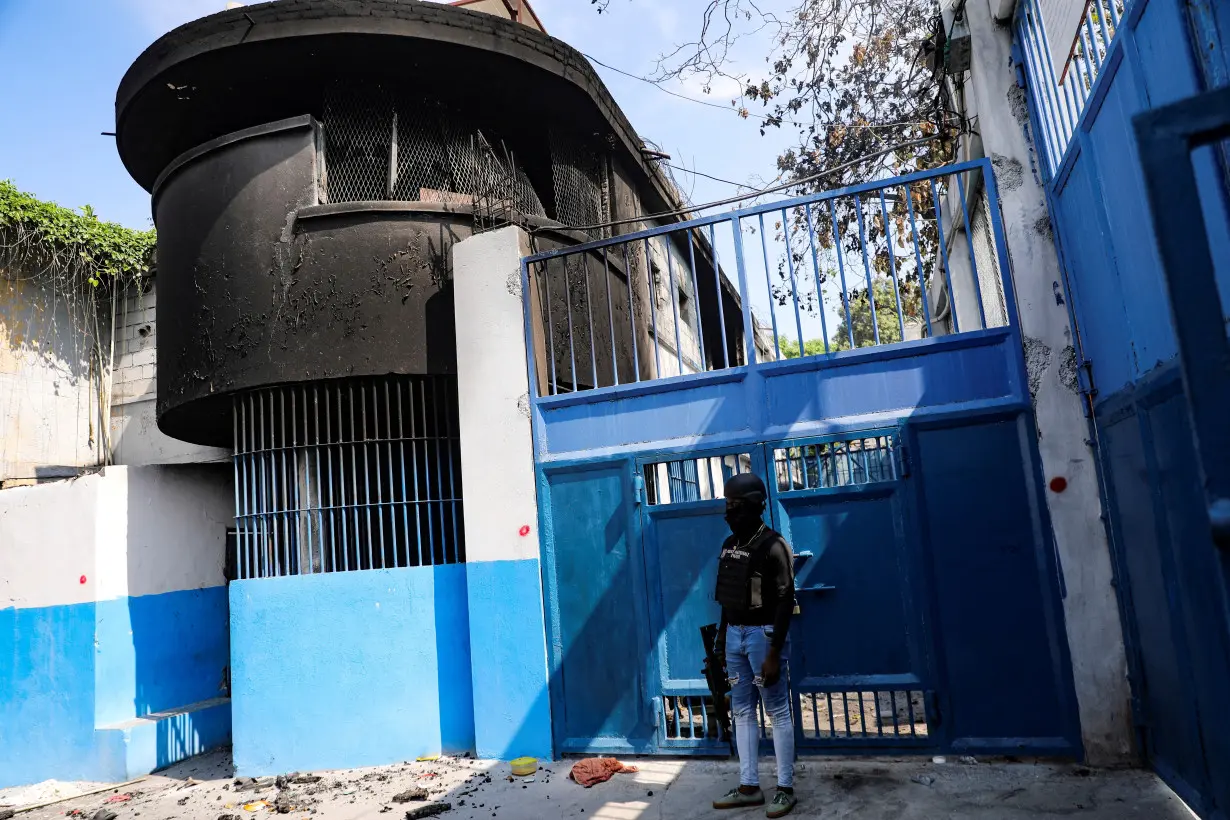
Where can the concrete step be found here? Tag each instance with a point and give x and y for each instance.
(144, 744)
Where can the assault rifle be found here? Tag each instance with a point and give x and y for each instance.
(719, 684)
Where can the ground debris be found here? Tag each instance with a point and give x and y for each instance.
(417, 793)
(288, 801)
(428, 810)
(104, 814)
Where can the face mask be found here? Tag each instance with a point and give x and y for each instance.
(742, 519)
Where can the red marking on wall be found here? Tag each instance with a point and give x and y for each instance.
(524, 531)
(82, 580)
(1059, 484)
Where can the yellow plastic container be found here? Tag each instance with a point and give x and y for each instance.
(524, 766)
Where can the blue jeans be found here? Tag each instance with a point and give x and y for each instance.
(746, 649)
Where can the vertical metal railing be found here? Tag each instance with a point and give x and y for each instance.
(876, 264)
(345, 475)
(1061, 92)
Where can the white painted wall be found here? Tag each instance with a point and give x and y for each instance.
(131, 531)
(497, 457)
(1094, 630)
(47, 543)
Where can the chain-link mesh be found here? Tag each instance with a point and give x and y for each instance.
(413, 148)
(581, 191)
(358, 143)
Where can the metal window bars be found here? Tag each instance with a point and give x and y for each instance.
(692, 479)
(825, 465)
(347, 475)
(862, 715)
(1061, 92)
(881, 263)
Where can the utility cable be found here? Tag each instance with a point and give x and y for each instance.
(734, 199)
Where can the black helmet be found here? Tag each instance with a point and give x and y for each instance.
(747, 486)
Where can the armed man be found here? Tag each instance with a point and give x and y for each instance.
(755, 587)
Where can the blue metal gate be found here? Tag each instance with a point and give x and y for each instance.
(900, 452)
(1120, 277)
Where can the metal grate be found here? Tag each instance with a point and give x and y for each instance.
(690, 718)
(831, 464)
(862, 715)
(349, 475)
(693, 479)
(380, 146)
(582, 194)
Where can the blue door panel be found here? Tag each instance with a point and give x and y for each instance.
(1088, 249)
(1002, 645)
(1135, 512)
(1202, 584)
(857, 577)
(600, 606)
(685, 543)
(1114, 155)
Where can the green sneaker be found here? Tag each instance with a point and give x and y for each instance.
(782, 805)
(735, 799)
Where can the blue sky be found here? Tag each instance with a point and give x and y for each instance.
(63, 60)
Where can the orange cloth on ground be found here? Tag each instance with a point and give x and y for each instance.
(597, 770)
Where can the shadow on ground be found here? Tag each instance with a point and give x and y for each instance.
(205, 789)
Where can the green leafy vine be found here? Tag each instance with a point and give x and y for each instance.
(70, 247)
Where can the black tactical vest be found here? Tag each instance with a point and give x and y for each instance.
(736, 567)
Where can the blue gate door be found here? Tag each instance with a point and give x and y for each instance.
(684, 525)
(1189, 210)
(859, 665)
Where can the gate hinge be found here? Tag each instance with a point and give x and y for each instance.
(903, 451)
(638, 488)
(1084, 378)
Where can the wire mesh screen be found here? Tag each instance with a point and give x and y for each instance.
(385, 146)
(582, 191)
(348, 475)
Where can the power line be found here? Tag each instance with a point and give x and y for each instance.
(734, 199)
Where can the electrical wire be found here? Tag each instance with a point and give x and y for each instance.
(734, 199)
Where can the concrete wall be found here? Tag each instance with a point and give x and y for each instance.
(1093, 626)
(512, 713)
(135, 437)
(49, 393)
(113, 623)
(350, 669)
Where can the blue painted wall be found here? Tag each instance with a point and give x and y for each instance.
(47, 681)
(72, 677)
(346, 669)
(159, 652)
(512, 708)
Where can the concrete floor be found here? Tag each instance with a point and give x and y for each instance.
(867, 789)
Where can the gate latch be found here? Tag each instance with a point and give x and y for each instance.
(638, 488)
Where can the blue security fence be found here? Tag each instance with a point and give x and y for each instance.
(1174, 588)
(899, 450)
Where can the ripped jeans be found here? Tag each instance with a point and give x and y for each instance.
(746, 649)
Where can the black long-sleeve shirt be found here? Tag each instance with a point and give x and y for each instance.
(775, 575)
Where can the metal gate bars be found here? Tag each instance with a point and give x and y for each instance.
(348, 475)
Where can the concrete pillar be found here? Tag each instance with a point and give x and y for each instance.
(512, 714)
(1095, 633)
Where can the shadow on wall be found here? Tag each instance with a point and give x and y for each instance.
(976, 557)
(177, 518)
